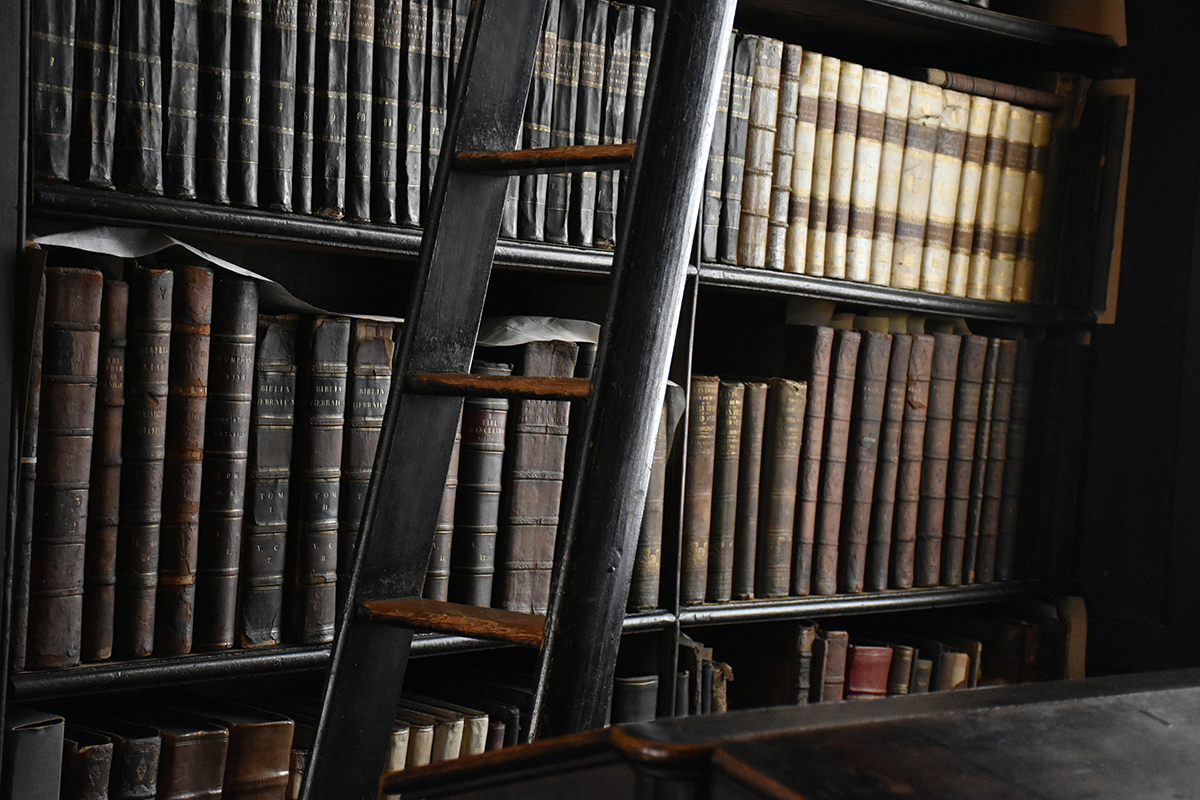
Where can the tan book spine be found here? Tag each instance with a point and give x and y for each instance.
(1008, 208)
(968, 196)
(1031, 207)
(989, 197)
(841, 175)
(799, 202)
(785, 149)
(943, 191)
(818, 212)
(760, 152)
(920, 142)
(698, 487)
(887, 196)
(864, 189)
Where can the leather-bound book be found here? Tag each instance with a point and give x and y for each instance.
(634, 699)
(304, 131)
(86, 764)
(245, 59)
(642, 43)
(477, 506)
(359, 107)
(384, 137)
(939, 424)
(749, 474)
(437, 576)
(818, 208)
(462, 9)
(1031, 207)
(744, 54)
(887, 195)
(180, 78)
(133, 771)
(834, 453)
(330, 104)
(187, 402)
(581, 218)
(535, 132)
(259, 747)
(943, 191)
(437, 91)
(899, 679)
(537, 449)
(730, 409)
(783, 436)
(868, 669)
(191, 761)
(647, 559)
(829, 666)
(612, 123)
(974, 151)
(214, 104)
(887, 468)
(317, 473)
(1008, 208)
(698, 487)
(369, 384)
(785, 150)
(841, 177)
(864, 189)
(984, 567)
(922, 673)
(226, 451)
(52, 67)
(268, 477)
(912, 456)
(912, 209)
(984, 430)
(954, 672)
(866, 423)
(799, 205)
(714, 174)
(33, 751)
(565, 111)
(814, 348)
(989, 197)
(985, 87)
(137, 142)
(760, 152)
(961, 464)
(277, 104)
(100, 554)
(71, 345)
(411, 143)
(94, 109)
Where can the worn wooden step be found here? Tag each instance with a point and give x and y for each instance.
(578, 158)
(476, 622)
(462, 384)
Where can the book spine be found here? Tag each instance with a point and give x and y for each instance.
(783, 436)
(143, 442)
(437, 576)
(818, 209)
(958, 270)
(987, 88)
(870, 389)
(329, 109)
(268, 472)
(104, 497)
(187, 404)
(841, 175)
(760, 152)
(698, 487)
(891, 163)
(989, 198)
(818, 352)
(785, 150)
(960, 467)
(750, 450)
(612, 127)
(900, 672)
(984, 432)
(86, 764)
(539, 116)
(360, 107)
(864, 189)
(939, 425)
(214, 104)
(226, 452)
(943, 191)
(997, 456)
(70, 363)
(730, 411)
(566, 104)
(1008, 527)
(303, 133)
(883, 504)
(736, 134)
(912, 208)
(137, 143)
(277, 105)
(1024, 278)
(804, 150)
(437, 91)
(94, 103)
(386, 114)
(181, 48)
(868, 668)
(639, 73)
(411, 144)
(245, 83)
(647, 559)
(477, 507)
(909, 471)
(581, 220)
(52, 67)
(715, 173)
(1008, 208)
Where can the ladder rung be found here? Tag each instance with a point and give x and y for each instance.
(580, 158)
(475, 622)
(460, 384)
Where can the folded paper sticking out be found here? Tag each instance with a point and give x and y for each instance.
(517, 330)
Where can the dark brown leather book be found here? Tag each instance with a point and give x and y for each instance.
(187, 402)
(52, 67)
(137, 143)
(647, 559)
(259, 748)
(191, 761)
(94, 115)
(750, 450)
(70, 355)
(772, 662)
(477, 507)
(984, 567)
(744, 53)
(304, 133)
(370, 382)
(537, 448)
(535, 132)
(437, 577)
(565, 112)
(783, 436)
(245, 58)
(900, 673)
(710, 220)
(330, 104)
(868, 671)
(86, 764)
(1008, 527)
(698, 487)
(277, 104)
(104, 497)
(939, 424)
(133, 771)
(829, 666)
(360, 108)
(180, 78)
(834, 452)
(581, 217)
(214, 103)
(922, 672)
(984, 431)
(226, 453)
(268, 474)
(870, 388)
(730, 409)
(385, 135)
(912, 453)
(612, 125)
(814, 350)
(959, 467)
(883, 502)
(411, 143)
(317, 473)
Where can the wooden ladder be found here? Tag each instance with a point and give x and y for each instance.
(599, 527)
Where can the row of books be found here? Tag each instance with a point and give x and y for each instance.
(823, 167)
(333, 108)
